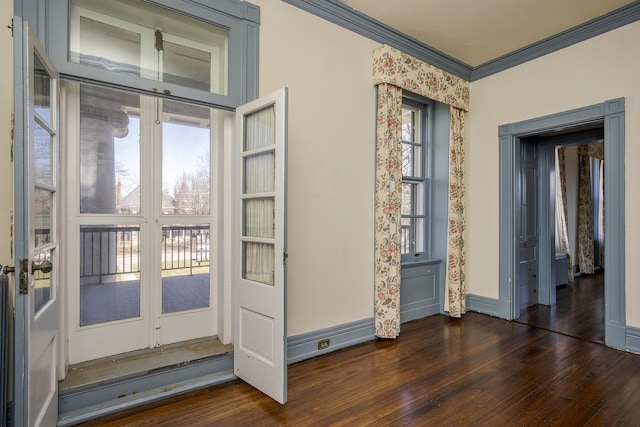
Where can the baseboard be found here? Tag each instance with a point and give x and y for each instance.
(85, 403)
(305, 346)
(632, 336)
(482, 305)
(417, 310)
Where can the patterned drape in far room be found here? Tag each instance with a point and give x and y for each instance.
(395, 69)
(585, 205)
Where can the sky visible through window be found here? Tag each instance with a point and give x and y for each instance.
(184, 148)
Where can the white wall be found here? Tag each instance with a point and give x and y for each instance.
(328, 71)
(6, 107)
(599, 69)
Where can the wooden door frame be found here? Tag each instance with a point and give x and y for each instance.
(611, 113)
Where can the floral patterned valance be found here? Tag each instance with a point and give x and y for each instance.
(399, 69)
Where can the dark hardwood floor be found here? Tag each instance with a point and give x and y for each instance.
(477, 370)
(579, 310)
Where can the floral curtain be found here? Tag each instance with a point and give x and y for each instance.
(455, 279)
(395, 69)
(585, 206)
(562, 234)
(388, 201)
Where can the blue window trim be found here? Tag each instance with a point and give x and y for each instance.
(242, 19)
(426, 137)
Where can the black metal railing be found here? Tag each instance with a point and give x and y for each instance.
(109, 250)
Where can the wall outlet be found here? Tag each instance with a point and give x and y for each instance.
(324, 344)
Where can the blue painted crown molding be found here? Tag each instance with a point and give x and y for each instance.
(338, 13)
(349, 18)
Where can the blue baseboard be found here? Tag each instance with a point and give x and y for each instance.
(482, 305)
(305, 346)
(633, 339)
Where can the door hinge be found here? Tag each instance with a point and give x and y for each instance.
(285, 255)
(24, 276)
(11, 27)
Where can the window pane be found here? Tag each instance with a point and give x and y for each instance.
(109, 273)
(187, 66)
(260, 129)
(43, 208)
(42, 282)
(41, 90)
(42, 155)
(185, 159)
(408, 205)
(412, 239)
(109, 151)
(259, 220)
(185, 267)
(411, 160)
(408, 125)
(108, 47)
(259, 172)
(258, 262)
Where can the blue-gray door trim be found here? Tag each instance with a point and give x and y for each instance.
(612, 114)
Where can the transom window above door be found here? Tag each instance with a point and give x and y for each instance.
(203, 51)
(147, 41)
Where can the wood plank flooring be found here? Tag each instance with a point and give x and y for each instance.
(478, 370)
(579, 310)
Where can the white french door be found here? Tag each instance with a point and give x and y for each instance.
(143, 225)
(36, 238)
(259, 270)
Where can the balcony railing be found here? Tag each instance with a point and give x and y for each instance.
(106, 251)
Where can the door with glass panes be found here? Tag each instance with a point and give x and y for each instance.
(142, 217)
(144, 226)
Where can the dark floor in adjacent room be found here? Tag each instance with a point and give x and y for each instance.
(578, 312)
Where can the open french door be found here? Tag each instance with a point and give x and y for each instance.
(259, 272)
(36, 238)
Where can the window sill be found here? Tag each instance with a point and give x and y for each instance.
(412, 263)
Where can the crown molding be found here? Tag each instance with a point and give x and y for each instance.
(338, 13)
(600, 25)
(349, 18)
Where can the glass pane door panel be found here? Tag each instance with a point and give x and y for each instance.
(42, 282)
(108, 47)
(109, 273)
(42, 216)
(185, 267)
(42, 155)
(185, 159)
(109, 151)
(42, 90)
(259, 170)
(260, 130)
(258, 262)
(259, 217)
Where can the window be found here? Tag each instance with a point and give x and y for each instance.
(205, 51)
(415, 181)
(149, 42)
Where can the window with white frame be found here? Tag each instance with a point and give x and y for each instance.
(415, 181)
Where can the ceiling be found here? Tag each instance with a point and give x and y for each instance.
(477, 31)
